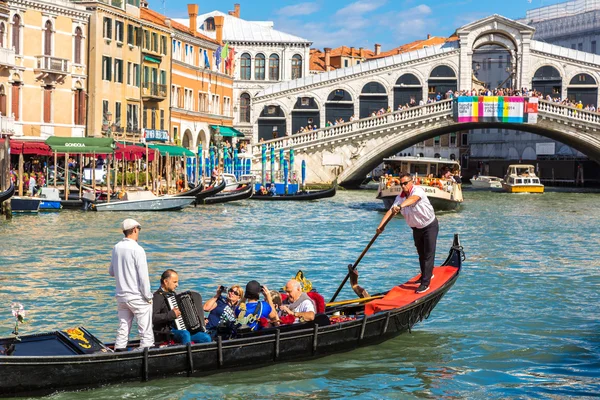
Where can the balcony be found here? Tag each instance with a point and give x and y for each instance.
(153, 91)
(48, 66)
(7, 58)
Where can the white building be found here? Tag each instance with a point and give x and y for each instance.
(263, 56)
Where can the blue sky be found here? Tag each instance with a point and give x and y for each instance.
(332, 23)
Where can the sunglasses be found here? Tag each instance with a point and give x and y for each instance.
(234, 292)
(405, 183)
(139, 228)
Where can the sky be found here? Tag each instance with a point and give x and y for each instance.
(333, 23)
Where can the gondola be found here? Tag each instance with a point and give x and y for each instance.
(8, 193)
(210, 191)
(299, 196)
(192, 192)
(74, 359)
(242, 193)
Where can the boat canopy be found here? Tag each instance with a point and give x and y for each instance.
(173, 151)
(81, 145)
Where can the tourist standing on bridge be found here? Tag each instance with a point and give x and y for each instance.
(419, 215)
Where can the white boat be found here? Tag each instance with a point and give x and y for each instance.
(145, 200)
(486, 182)
(521, 178)
(444, 194)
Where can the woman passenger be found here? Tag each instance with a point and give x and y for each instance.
(221, 309)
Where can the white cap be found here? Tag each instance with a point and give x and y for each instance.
(129, 224)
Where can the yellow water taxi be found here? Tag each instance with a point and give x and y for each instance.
(521, 178)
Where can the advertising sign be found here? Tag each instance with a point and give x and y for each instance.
(490, 109)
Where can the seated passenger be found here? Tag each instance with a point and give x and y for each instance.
(249, 312)
(273, 190)
(222, 309)
(163, 318)
(298, 304)
(263, 191)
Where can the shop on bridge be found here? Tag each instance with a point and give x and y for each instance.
(407, 91)
(441, 80)
(547, 80)
(271, 123)
(583, 87)
(339, 105)
(373, 97)
(305, 113)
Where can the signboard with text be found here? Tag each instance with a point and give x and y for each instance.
(156, 135)
(509, 109)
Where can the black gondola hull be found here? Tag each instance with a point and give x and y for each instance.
(301, 196)
(225, 197)
(8, 193)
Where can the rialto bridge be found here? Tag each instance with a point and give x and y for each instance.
(350, 150)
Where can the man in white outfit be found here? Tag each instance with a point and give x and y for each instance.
(134, 299)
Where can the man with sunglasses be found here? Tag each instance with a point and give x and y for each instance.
(134, 299)
(419, 215)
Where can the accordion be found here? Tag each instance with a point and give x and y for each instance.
(192, 317)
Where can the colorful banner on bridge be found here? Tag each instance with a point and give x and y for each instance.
(509, 109)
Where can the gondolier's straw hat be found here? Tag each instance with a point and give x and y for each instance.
(129, 224)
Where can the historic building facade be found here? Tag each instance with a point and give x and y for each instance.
(43, 67)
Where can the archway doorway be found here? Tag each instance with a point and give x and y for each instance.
(583, 87)
(407, 91)
(493, 67)
(188, 141)
(373, 97)
(548, 81)
(441, 80)
(339, 105)
(305, 113)
(271, 123)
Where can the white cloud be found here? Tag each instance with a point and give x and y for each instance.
(411, 24)
(359, 7)
(298, 9)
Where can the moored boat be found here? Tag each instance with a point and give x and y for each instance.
(486, 182)
(8, 193)
(50, 199)
(25, 204)
(521, 178)
(443, 194)
(299, 196)
(145, 200)
(210, 191)
(241, 193)
(73, 358)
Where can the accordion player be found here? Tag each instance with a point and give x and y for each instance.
(188, 326)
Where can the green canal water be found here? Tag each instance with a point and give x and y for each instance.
(522, 321)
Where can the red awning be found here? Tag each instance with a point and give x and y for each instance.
(28, 147)
(132, 152)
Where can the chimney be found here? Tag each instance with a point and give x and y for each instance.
(144, 3)
(327, 58)
(377, 49)
(236, 10)
(428, 36)
(219, 28)
(362, 53)
(352, 52)
(193, 13)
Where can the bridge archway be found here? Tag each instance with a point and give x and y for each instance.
(373, 97)
(306, 112)
(583, 87)
(407, 90)
(441, 79)
(339, 105)
(548, 81)
(271, 123)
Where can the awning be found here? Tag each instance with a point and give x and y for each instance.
(227, 131)
(81, 145)
(132, 152)
(174, 151)
(38, 148)
(152, 59)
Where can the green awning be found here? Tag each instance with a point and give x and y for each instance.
(152, 59)
(174, 151)
(227, 131)
(85, 145)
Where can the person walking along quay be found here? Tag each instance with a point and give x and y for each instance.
(414, 205)
(134, 299)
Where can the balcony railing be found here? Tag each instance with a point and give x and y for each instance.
(154, 89)
(7, 57)
(7, 125)
(52, 64)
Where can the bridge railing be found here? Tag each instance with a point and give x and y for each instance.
(568, 111)
(359, 125)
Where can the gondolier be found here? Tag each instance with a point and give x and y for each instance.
(414, 205)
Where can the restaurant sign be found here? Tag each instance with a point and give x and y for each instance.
(156, 135)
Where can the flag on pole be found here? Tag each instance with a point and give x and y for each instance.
(218, 57)
(225, 51)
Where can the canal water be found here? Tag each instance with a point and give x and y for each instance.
(522, 321)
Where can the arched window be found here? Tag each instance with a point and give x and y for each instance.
(245, 107)
(16, 34)
(245, 67)
(48, 39)
(2, 32)
(78, 37)
(273, 67)
(259, 67)
(297, 66)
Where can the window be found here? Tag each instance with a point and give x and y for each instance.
(501, 62)
(163, 45)
(153, 116)
(48, 39)
(573, 46)
(145, 118)
(189, 54)
(188, 99)
(2, 32)
(274, 67)
(436, 141)
(107, 28)
(345, 63)
(133, 117)
(297, 67)
(47, 104)
(79, 105)
(130, 35)
(209, 24)
(118, 71)
(580, 46)
(464, 139)
(163, 77)
(117, 117)
(259, 67)
(106, 68)
(453, 139)
(155, 42)
(593, 46)
(245, 107)
(136, 75)
(162, 120)
(129, 72)
(202, 102)
(226, 106)
(77, 45)
(16, 34)
(147, 40)
(245, 67)
(16, 100)
(119, 31)
(104, 109)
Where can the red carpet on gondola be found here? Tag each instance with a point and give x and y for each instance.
(404, 294)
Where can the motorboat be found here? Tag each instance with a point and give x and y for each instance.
(50, 199)
(521, 178)
(444, 194)
(486, 182)
(145, 200)
(25, 204)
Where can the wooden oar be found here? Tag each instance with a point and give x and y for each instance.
(358, 300)
(360, 258)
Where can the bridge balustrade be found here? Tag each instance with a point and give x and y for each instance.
(568, 111)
